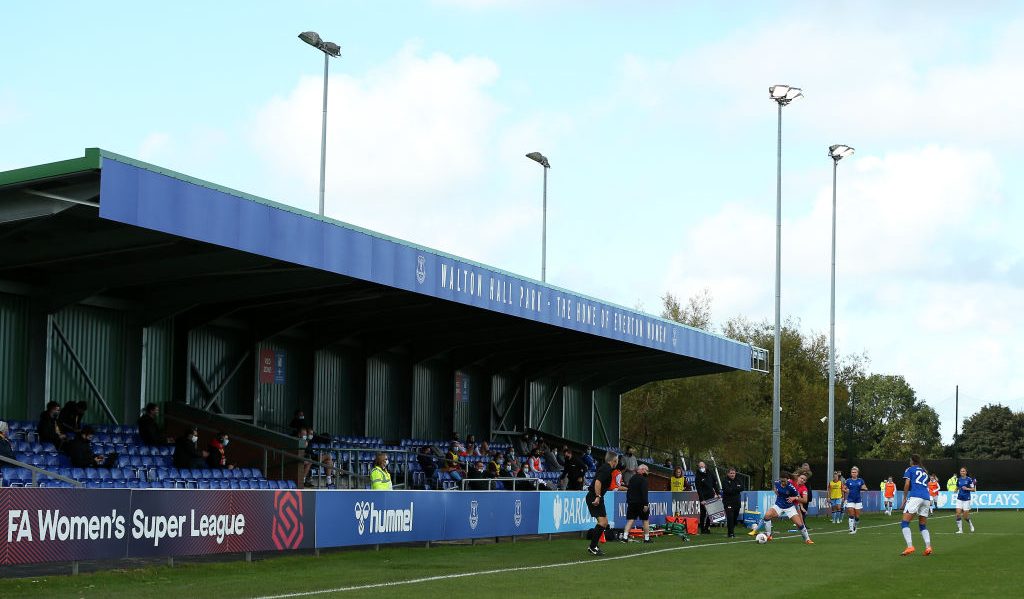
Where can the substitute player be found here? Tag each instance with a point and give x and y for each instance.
(595, 499)
(835, 496)
(915, 503)
(933, 492)
(889, 491)
(965, 485)
(786, 500)
(851, 492)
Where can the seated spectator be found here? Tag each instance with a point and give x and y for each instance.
(298, 423)
(322, 457)
(451, 462)
(485, 448)
(477, 475)
(5, 446)
(187, 453)
(494, 466)
(216, 457)
(677, 483)
(380, 477)
(425, 458)
(69, 419)
(668, 463)
(80, 452)
(551, 461)
(588, 459)
(471, 439)
(535, 464)
(471, 450)
(48, 429)
(524, 445)
(149, 430)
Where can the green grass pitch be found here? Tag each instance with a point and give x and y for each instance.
(984, 564)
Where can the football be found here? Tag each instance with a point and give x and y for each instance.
(761, 538)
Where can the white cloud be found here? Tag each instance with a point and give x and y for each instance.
(153, 146)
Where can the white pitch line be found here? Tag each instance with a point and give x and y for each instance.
(381, 585)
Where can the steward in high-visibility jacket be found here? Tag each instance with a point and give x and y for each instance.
(951, 483)
(380, 478)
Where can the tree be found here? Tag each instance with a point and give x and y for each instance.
(994, 432)
(889, 422)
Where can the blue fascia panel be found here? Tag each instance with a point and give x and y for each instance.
(136, 194)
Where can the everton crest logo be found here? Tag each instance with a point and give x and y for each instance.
(474, 516)
(518, 517)
(421, 269)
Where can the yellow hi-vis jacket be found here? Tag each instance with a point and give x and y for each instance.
(380, 479)
(951, 483)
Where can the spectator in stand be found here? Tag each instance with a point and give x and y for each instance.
(732, 489)
(459, 447)
(575, 471)
(707, 489)
(551, 463)
(380, 478)
(149, 430)
(451, 461)
(627, 464)
(668, 463)
(494, 466)
(638, 506)
(524, 445)
(425, 458)
(589, 459)
(70, 421)
(485, 448)
(322, 457)
(80, 452)
(477, 474)
(535, 464)
(677, 484)
(48, 429)
(216, 456)
(5, 446)
(186, 451)
(298, 423)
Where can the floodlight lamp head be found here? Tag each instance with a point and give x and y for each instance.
(784, 94)
(332, 49)
(312, 38)
(839, 151)
(539, 158)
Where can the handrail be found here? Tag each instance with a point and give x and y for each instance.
(36, 471)
(514, 479)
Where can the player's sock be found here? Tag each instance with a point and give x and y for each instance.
(926, 535)
(959, 524)
(850, 522)
(803, 531)
(856, 522)
(905, 527)
(596, 538)
(647, 536)
(768, 527)
(971, 523)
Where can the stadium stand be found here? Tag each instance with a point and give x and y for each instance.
(138, 466)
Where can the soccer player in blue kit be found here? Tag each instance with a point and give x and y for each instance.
(964, 486)
(916, 501)
(851, 489)
(786, 500)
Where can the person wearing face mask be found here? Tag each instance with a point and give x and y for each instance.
(216, 456)
(575, 471)
(477, 473)
(707, 488)
(638, 506)
(732, 489)
(428, 465)
(80, 452)
(380, 478)
(186, 451)
(298, 423)
(324, 458)
(48, 428)
(627, 464)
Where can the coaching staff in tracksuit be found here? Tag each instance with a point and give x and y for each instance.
(575, 471)
(732, 488)
(707, 488)
(595, 500)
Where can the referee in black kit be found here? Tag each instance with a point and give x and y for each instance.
(595, 500)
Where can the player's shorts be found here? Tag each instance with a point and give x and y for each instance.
(855, 506)
(597, 511)
(788, 512)
(963, 504)
(917, 505)
(837, 502)
(636, 511)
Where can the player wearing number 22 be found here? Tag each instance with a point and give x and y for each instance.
(786, 500)
(916, 501)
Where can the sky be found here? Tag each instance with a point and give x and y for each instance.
(656, 119)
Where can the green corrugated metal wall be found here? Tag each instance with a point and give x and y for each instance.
(540, 393)
(606, 403)
(279, 402)
(433, 400)
(14, 345)
(503, 392)
(215, 351)
(158, 350)
(338, 396)
(99, 338)
(474, 417)
(388, 397)
(577, 408)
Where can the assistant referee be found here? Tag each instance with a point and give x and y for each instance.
(595, 499)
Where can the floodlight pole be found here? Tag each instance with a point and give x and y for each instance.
(323, 139)
(776, 363)
(544, 233)
(832, 338)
